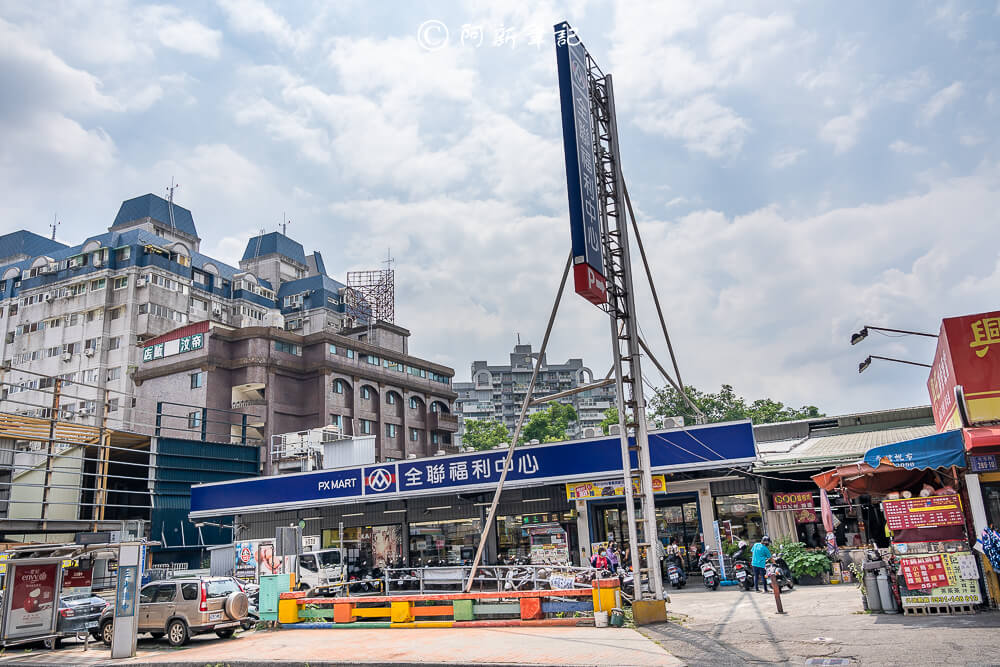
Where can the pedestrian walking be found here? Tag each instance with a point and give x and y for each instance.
(614, 559)
(760, 555)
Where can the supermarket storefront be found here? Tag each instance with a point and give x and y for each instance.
(432, 510)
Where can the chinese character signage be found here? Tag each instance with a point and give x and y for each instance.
(968, 355)
(584, 490)
(939, 579)
(171, 347)
(581, 173)
(697, 448)
(985, 463)
(800, 502)
(929, 512)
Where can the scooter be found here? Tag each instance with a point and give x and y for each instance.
(627, 583)
(779, 567)
(743, 573)
(708, 571)
(675, 571)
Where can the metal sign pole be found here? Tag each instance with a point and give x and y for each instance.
(126, 618)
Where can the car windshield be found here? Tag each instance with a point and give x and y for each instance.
(220, 588)
(328, 558)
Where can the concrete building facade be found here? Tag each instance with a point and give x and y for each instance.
(496, 391)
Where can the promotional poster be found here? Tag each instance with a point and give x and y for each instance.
(33, 593)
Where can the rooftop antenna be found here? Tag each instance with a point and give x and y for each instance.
(55, 223)
(170, 201)
(260, 237)
(284, 224)
(389, 261)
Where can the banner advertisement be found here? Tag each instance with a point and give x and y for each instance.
(801, 502)
(76, 581)
(939, 579)
(604, 489)
(267, 561)
(246, 561)
(386, 542)
(33, 600)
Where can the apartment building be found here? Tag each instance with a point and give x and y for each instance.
(111, 316)
(497, 391)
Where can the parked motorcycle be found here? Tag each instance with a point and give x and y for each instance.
(708, 571)
(675, 571)
(778, 566)
(744, 575)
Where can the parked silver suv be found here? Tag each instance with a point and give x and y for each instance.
(180, 608)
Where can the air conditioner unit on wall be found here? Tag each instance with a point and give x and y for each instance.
(67, 356)
(141, 282)
(89, 352)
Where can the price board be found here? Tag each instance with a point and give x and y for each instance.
(928, 512)
(801, 503)
(924, 572)
(958, 590)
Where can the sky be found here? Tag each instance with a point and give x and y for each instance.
(798, 169)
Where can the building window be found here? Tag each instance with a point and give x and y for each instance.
(414, 435)
(115, 313)
(114, 373)
(333, 349)
(98, 284)
(413, 403)
(92, 315)
(113, 405)
(350, 354)
(91, 343)
(372, 359)
(122, 254)
(366, 393)
(390, 430)
(114, 343)
(434, 438)
(194, 419)
(338, 387)
(199, 304)
(335, 421)
(390, 398)
(121, 283)
(367, 426)
(288, 348)
(53, 352)
(197, 380)
(435, 407)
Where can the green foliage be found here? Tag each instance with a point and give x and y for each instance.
(724, 405)
(729, 548)
(484, 434)
(549, 425)
(801, 561)
(610, 417)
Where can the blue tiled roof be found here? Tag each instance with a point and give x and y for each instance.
(23, 242)
(272, 243)
(156, 208)
(310, 283)
(320, 266)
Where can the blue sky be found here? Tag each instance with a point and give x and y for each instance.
(799, 169)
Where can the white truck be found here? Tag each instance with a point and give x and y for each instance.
(320, 569)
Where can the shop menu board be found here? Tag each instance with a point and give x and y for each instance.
(929, 512)
(603, 489)
(960, 584)
(800, 502)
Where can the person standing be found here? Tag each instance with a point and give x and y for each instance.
(614, 560)
(599, 561)
(760, 555)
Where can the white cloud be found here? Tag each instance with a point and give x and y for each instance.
(939, 101)
(187, 35)
(787, 157)
(704, 125)
(254, 17)
(843, 131)
(970, 139)
(906, 148)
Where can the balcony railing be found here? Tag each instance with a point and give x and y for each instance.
(248, 403)
(442, 421)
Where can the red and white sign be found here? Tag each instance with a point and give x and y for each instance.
(968, 354)
(929, 512)
(924, 572)
(77, 578)
(590, 284)
(800, 501)
(32, 597)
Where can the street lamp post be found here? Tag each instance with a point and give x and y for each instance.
(861, 335)
(868, 362)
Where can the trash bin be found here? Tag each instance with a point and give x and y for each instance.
(885, 593)
(617, 618)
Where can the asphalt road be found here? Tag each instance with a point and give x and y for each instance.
(730, 627)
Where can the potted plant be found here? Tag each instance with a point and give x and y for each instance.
(808, 567)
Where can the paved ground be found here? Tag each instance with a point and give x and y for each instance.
(729, 627)
(466, 646)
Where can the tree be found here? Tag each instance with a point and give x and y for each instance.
(610, 417)
(549, 425)
(725, 405)
(484, 434)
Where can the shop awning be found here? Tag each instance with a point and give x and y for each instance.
(941, 450)
(981, 438)
(896, 465)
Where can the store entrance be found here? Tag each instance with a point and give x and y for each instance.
(675, 517)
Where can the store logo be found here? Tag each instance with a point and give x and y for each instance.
(380, 480)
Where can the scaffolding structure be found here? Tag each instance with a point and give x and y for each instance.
(371, 295)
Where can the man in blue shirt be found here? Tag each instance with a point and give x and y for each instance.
(760, 555)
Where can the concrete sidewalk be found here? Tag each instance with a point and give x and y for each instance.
(481, 646)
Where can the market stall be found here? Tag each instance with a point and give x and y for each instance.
(931, 567)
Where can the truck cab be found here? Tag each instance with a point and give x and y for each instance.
(320, 568)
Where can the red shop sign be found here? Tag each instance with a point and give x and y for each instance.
(928, 512)
(802, 501)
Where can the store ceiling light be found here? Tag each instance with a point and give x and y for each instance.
(481, 504)
(394, 511)
(353, 514)
(442, 507)
(535, 500)
(310, 518)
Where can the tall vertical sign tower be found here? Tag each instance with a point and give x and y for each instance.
(602, 274)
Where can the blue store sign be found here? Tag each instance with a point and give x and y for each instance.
(691, 448)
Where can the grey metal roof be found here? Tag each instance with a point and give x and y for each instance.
(157, 208)
(839, 448)
(23, 242)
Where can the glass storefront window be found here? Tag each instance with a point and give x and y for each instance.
(512, 534)
(743, 512)
(674, 518)
(450, 542)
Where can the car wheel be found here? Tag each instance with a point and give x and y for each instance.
(53, 642)
(225, 633)
(107, 631)
(177, 632)
(156, 635)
